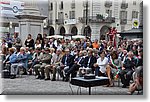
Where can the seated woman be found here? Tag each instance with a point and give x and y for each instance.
(101, 66)
(114, 66)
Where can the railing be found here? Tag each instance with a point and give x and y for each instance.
(59, 21)
(94, 19)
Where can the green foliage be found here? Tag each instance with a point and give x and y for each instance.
(99, 16)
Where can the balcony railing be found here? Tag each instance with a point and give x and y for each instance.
(108, 4)
(124, 5)
(59, 21)
(123, 21)
(94, 19)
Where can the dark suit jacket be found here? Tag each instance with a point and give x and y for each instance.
(70, 60)
(129, 64)
(92, 61)
(82, 62)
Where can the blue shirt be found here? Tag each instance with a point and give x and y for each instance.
(13, 58)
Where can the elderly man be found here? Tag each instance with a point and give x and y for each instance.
(78, 62)
(45, 59)
(127, 70)
(55, 62)
(20, 62)
(66, 63)
(90, 60)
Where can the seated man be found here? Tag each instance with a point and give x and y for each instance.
(127, 69)
(37, 55)
(88, 63)
(10, 59)
(55, 62)
(44, 60)
(19, 62)
(66, 63)
(30, 60)
(138, 80)
(77, 64)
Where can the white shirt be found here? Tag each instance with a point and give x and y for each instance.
(102, 64)
(37, 46)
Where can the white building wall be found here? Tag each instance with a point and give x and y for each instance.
(95, 7)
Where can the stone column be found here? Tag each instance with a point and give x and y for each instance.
(31, 22)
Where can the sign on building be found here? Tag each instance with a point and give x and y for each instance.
(11, 8)
(70, 21)
(135, 23)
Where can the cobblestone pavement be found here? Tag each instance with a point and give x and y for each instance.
(29, 85)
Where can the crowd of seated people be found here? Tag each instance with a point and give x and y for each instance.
(47, 57)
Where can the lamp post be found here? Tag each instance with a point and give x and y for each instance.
(86, 22)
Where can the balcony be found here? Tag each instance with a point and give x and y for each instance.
(108, 4)
(123, 21)
(94, 19)
(59, 21)
(124, 5)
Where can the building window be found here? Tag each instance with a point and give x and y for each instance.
(124, 5)
(73, 4)
(123, 17)
(134, 2)
(123, 14)
(61, 5)
(50, 18)
(51, 6)
(60, 15)
(71, 14)
(134, 14)
(109, 12)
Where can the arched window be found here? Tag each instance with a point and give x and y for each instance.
(74, 30)
(62, 31)
(51, 31)
(87, 31)
(103, 32)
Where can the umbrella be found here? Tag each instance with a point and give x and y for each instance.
(78, 36)
(55, 36)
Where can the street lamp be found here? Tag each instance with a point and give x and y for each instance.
(86, 28)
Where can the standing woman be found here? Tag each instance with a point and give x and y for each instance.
(29, 42)
(37, 44)
(40, 40)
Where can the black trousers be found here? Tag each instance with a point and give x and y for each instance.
(125, 76)
(73, 70)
